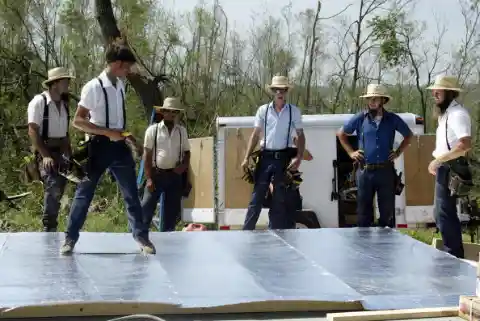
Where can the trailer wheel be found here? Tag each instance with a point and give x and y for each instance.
(306, 219)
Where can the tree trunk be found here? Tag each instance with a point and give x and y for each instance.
(146, 89)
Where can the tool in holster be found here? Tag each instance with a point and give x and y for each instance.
(249, 171)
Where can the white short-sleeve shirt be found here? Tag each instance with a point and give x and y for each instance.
(276, 129)
(170, 145)
(57, 118)
(93, 98)
(453, 125)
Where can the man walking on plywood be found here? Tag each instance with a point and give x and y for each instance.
(453, 177)
(375, 128)
(278, 121)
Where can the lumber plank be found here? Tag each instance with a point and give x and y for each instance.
(394, 314)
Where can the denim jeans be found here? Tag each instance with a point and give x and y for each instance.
(446, 216)
(278, 214)
(382, 182)
(168, 184)
(54, 187)
(117, 157)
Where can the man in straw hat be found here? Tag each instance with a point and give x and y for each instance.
(48, 119)
(277, 121)
(453, 141)
(101, 114)
(375, 128)
(166, 158)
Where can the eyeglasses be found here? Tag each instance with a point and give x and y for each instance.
(279, 90)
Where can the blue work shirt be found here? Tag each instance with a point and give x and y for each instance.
(376, 141)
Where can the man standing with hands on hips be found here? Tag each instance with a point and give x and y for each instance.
(166, 157)
(101, 114)
(453, 141)
(376, 129)
(278, 121)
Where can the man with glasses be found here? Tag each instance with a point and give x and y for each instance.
(277, 121)
(166, 157)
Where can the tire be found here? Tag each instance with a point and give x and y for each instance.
(306, 219)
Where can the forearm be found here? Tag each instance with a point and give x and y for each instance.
(454, 153)
(405, 143)
(86, 126)
(345, 144)
(252, 142)
(186, 158)
(38, 144)
(300, 145)
(147, 163)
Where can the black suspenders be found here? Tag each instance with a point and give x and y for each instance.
(107, 118)
(46, 116)
(289, 124)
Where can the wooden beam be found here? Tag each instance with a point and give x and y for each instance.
(394, 314)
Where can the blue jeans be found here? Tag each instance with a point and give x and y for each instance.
(168, 184)
(446, 216)
(278, 215)
(117, 157)
(382, 182)
(54, 187)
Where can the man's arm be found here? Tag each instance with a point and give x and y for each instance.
(255, 136)
(405, 131)
(186, 149)
(300, 141)
(148, 152)
(35, 118)
(347, 130)
(461, 125)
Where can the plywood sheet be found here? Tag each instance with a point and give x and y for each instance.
(394, 314)
(201, 173)
(237, 191)
(419, 183)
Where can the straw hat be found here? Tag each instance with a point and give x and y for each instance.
(376, 90)
(446, 83)
(279, 82)
(57, 74)
(170, 103)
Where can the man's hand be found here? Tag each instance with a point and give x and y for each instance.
(136, 146)
(295, 163)
(357, 155)
(393, 155)
(433, 166)
(48, 163)
(115, 135)
(150, 186)
(180, 169)
(245, 164)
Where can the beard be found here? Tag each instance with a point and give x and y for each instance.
(65, 96)
(441, 107)
(374, 112)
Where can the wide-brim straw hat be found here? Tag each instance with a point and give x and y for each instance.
(57, 74)
(279, 82)
(170, 103)
(376, 90)
(446, 83)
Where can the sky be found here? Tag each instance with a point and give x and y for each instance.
(241, 13)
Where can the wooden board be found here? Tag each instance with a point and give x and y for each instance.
(394, 314)
(419, 183)
(201, 173)
(469, 308)
(237, 191)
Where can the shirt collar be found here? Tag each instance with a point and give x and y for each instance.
(47, 95)
(385, 114)
(162, 125)
(106, 81)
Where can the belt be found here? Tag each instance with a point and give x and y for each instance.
(164, 170)
(275, 154)
(373, 166)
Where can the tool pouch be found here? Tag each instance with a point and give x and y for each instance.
(399, 186)
(460, 181)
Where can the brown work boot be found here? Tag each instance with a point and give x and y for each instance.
(67, 247)
(146, 246)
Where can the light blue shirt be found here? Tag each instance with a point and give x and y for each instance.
(277, 125)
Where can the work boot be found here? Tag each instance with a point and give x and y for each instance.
(146, 246)
(67, 247)
(49, 229)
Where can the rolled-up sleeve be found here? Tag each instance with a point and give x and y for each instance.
(297, 118)
(88, 96)
(260, 117)
(35, 110)
(351, 125)
(149, 137)
(185, 141)
(460, 123)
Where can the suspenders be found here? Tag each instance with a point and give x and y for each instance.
(107, 118)
(46, 111)
(289, 124)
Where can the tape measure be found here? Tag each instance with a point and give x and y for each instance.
(126, 134)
